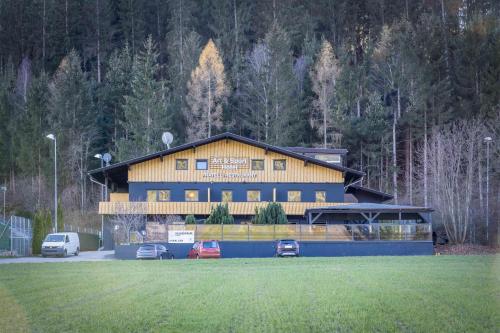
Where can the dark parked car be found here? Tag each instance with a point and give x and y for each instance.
(153, 251)
(205, 249)
(287, 247)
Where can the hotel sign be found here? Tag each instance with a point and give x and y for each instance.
(231, 164)
(181, 236)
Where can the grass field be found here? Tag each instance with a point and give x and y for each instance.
(375, 294)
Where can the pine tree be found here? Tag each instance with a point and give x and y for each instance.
(145, 109)
(207, 93)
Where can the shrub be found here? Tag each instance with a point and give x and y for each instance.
(220, 215)
(42, 225)
(60, 217)
(190, 219)
(273, 213)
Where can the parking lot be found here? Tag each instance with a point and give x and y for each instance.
(84, 256)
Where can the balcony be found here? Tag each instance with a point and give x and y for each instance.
(201, 208)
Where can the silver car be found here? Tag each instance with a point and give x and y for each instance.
(153, 251)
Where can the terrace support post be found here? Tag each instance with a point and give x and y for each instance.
(222, 232)
(274, 231)
(248, 232)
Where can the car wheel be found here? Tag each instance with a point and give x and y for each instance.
(160, 257)
(43, 255)
(171, 256)
(197, 256)
(77, 251)
(65, 253)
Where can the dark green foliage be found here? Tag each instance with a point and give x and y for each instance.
(190, 219)
(220, 215)
(42, 225)
(60, 217)
(273, 213)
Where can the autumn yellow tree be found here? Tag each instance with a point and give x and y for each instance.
(324, 76)
(207, 93)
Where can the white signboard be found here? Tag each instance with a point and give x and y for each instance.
(181, 236)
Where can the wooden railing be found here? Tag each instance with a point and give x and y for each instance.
(201, 208)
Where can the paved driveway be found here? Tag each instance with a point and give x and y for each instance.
(84, 256)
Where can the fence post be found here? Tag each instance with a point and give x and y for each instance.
(274, 231)
(248, 232)
(11, 239)
(222, 232)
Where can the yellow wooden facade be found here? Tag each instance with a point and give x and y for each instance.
(164, 170)
(297, 171)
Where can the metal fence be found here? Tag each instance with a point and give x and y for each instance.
(72, 228)
(15, 236)
(300, 232)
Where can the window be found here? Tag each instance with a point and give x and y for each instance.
(320, 196)
(164, 195)
(201, 164)
(191, 195)
(227, 196)
(279, 164)
(151, 196)
(253, 195)
(181, 164)
(294, 196)
(257, 164)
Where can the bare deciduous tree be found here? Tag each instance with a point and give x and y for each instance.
(126, 220)
(324, 77)
(452, 155)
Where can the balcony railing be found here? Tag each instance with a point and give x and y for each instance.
(300, 232)
(201, 208)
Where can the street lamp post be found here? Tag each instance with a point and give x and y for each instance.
(3, 189)
(488, 140)
(53, 138)
(99, 156)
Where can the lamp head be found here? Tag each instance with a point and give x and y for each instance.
(3, 188)
(488, 139)
(51, 136)
(99, 156)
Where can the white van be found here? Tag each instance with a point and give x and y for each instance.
(61, 244)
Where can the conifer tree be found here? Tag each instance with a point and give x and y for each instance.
(145, 109)
(207, 93)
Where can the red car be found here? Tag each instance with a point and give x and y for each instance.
(205, 249)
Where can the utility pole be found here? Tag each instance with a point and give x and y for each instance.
(53, 138)
(488, 140)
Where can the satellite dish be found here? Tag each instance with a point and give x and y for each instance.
(106, 158)
(167, 138)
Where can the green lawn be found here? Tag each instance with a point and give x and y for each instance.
(375, 294)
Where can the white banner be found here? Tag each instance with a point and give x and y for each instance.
(181, 236)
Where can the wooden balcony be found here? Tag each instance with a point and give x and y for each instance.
(201, 208)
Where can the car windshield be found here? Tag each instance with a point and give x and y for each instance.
(210, 245)
(287, 241)
(147, 248)
(54, 238)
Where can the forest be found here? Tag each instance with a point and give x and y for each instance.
(410, 88)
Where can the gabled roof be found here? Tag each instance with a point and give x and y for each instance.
(118, 172)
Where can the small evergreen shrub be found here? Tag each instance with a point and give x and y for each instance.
(190, 219)
(273, 213)
(220, 215)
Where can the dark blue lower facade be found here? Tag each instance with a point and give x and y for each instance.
(334, 191)
(266, 249)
